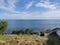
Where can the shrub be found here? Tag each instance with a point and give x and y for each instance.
(36, 33)
(3, 26)
(21, 31)
(15, 32)
(28, 31)
(54, 41)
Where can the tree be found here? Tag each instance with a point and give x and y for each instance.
(3, 26)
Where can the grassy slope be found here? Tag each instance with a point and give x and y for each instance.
(22, 40)
(28, 40)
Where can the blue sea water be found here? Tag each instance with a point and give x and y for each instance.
(33, 24)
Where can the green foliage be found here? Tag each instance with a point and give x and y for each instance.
(54, 41)
(15, 32)
(55, 29)
(31, 32)
(48, 31)
(26, 31)
(35, 32)
(21, 31)
(3, 26)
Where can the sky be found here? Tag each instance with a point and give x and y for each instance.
(29, 9)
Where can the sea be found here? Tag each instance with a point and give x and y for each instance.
(37, 25)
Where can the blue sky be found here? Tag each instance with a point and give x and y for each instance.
(29, 9)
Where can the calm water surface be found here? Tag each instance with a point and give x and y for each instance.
(34, 24)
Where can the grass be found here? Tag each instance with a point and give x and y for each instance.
(28, 40)
(22, 40)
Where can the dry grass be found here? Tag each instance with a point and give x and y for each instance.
(22, 40)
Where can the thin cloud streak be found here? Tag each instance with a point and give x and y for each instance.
(46, 4)
(29, 5)
(9, 6)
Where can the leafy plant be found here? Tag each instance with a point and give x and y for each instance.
(3, 26)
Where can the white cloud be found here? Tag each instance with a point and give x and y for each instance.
(10, 5)
(46, 4)
(52, 14)
(21, 15)
(28, 5)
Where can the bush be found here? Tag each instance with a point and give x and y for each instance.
(3, 26)
(26, 31)
(21, 31)
(48, 31)
(31, 32)
(54, 41)
(36, 33)
(15, 32)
